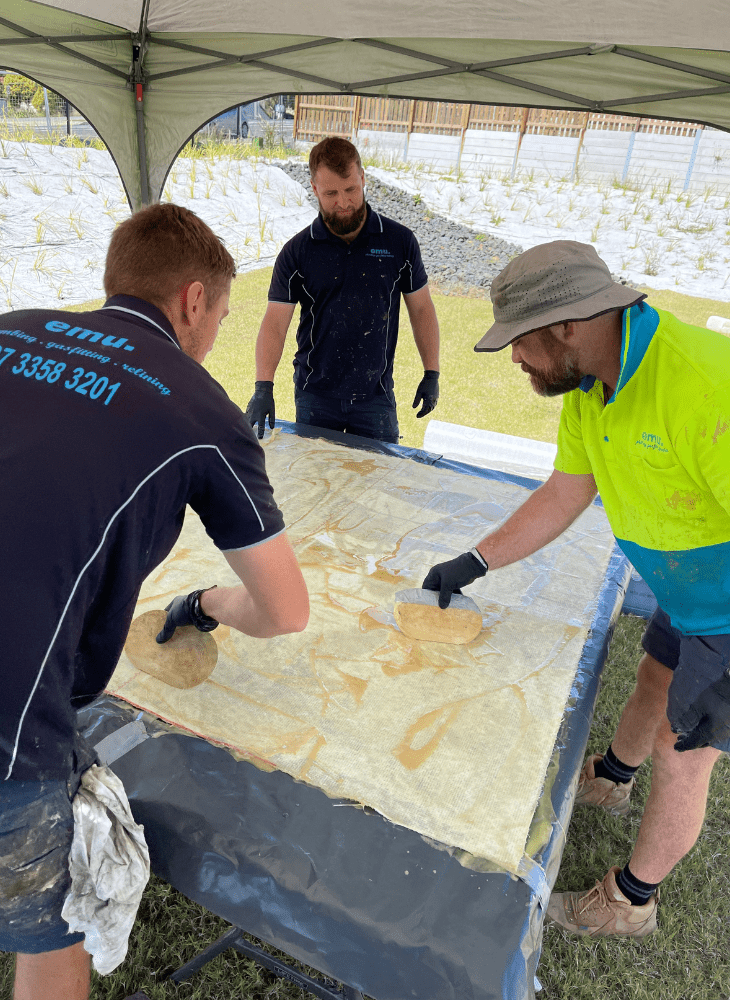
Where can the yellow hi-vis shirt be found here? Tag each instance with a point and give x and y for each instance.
(659, 450)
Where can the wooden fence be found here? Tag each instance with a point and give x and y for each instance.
(318, 116)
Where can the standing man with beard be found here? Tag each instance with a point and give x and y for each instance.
(646, 420)
(347, 271)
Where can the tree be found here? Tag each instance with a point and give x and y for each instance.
(19, 90)
(23, 95)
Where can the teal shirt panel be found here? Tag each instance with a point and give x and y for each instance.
(659, 451)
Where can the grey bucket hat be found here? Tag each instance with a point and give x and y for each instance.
(549, 284)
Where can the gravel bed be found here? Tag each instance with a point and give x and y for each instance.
(457, 260)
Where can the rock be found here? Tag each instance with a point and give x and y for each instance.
(454, 258)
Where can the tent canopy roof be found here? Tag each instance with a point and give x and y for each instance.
(628, 22)
(196, 58)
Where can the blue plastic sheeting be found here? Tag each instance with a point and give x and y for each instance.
(325, 881)
(639, 598)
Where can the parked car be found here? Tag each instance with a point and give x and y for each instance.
(227, 121)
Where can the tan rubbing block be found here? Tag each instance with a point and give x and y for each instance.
(184, 661)
(419, 617)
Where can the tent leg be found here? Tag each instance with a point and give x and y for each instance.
(138, 81)
(142, 147)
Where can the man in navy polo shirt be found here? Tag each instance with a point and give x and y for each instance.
(110, 427)
(347, 271)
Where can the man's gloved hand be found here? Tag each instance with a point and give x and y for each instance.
(427, 393)
(261, 405)
(449, 577)
(186, 611)
(707, 721)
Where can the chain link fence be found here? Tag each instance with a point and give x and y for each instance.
(28, 110)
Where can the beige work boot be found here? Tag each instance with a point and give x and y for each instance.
(603, 911)
(609, 795)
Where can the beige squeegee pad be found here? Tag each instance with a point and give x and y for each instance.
(451, 740)
(418, 615)
(187, 658)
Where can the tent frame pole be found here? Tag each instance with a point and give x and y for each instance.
(138, 79)
(138, 82)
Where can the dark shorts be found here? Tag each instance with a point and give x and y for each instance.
(670, 647)
(697, 661)
(371, 418)
(36, 830)
(661, 640)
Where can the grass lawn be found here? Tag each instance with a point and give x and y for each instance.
(478, 390)
(686, 959)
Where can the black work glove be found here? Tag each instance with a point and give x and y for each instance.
(261, 405)
(427, 393)
(706, 723)
(449, 577)
(186, 611)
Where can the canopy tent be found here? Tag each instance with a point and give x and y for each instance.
(148, 73)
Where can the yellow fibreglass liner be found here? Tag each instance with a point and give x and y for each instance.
(452, 741)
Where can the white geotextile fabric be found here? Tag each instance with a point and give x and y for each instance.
(110, 867)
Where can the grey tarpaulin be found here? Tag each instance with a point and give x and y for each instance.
(324, 881)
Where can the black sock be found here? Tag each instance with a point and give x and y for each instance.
(614, 769)
(636, 891)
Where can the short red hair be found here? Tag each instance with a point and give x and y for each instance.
(162, 248)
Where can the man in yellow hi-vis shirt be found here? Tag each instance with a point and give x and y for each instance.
(646, 421)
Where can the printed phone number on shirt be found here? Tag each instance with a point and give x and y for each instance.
(43, 370)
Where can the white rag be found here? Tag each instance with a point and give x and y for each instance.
(110, 867)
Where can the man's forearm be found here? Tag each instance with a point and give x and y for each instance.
(235, 607)
(268, 355)
(427, 342)
(271, 339)
(542, 517)
(425, 326)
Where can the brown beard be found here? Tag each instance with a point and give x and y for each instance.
(563, 375)
(342, 225)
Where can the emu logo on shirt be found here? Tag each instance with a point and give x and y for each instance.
(374, 252)
(652, 442)
(56, 326)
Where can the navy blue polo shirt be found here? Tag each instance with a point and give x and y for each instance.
(349, 295)
(108, 431)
